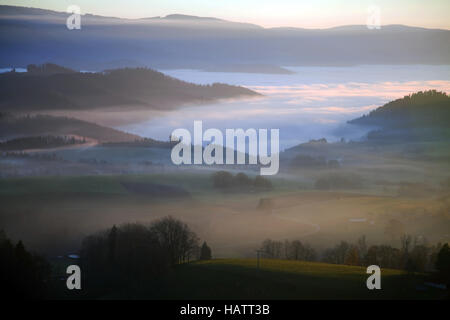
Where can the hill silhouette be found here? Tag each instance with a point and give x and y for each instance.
(11, 126)
(421, 115)
(51, 87)
(421, 109)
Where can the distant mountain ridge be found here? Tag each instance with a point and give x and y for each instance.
(180, 41)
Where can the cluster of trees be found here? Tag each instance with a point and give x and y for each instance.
(38, 142)
(205, 252)
(116, 258)
(134, 252)
(225, 180)
(443, 264)
(23, 275)
(414, 255)
(290, 250)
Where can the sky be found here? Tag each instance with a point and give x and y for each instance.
(273, 13)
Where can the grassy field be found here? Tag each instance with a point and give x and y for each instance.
(282, 279)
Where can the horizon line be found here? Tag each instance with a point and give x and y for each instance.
(231, 21)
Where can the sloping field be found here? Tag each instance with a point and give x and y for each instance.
(282, 279)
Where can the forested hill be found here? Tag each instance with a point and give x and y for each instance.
(39, 125)
(51, 87)
(424, 109)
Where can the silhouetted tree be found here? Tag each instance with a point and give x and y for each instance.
(205, 252)
(296, 250)
(176, 237)
(419, 256)
(137, 256)
(443, 264)
(112, 242)
(126, 256)
(362, 249)
(372, 256)
(272, 249)
(352, 257)
(23, 275)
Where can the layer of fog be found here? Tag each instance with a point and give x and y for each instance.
(312, 103)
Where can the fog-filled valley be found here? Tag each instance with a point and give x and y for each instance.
(88, 176)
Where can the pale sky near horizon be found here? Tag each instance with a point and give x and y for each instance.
(273, 13)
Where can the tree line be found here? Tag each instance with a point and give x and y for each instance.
(126, 255)
(112, 260)
(414, 254)
(290, 250)
(23, 275)
(38, 142)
